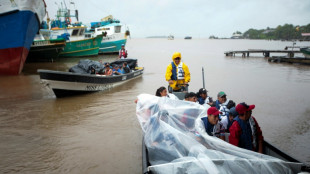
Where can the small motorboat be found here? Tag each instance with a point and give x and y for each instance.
(72, 83)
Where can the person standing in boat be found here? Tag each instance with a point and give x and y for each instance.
(245, 131)
(123, 52)
(177, 72)
(212, 125)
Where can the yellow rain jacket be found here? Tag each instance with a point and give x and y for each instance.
(178, 73)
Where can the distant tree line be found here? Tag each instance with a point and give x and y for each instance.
(285, 32)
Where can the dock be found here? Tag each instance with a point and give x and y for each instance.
(266, 53)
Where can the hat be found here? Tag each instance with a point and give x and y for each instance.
(221, 94)
(233, 112)
(123, 45)
(213, 111)
(202, 91)
(241, 108)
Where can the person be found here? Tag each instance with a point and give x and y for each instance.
(177, 72)
(190, 96)
(108, 70)
(116, 70)
(245, 131)
(228, 120)
(223, 104)
(125, 68)
(203, 97)
(123, 52)
(212, 125)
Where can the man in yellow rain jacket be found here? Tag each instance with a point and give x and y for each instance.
(177, 72)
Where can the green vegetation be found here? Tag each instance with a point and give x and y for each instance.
(285, 32)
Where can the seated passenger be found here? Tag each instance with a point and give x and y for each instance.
(116, 70)
(223, 104)
(126, 69)
(245, 131)
(108, 70)
(203, 97)
(227, 121)
(212, 125)
(162, 92)
(191, 96)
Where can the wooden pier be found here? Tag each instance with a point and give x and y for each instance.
(266, 53)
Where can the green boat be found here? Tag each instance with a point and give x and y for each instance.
(84, 47)
(306, 52)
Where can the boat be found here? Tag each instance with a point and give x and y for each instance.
(20, 21)
(79, 42)
(114, 34)
(175, 141)
(188, 37)
(299, 60)
(76, 82)
(170, 37)
(45, 49)
(306, 52)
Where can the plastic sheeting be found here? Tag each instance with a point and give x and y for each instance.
(177, 142)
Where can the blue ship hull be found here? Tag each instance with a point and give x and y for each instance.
(111, 47)
(17, 31)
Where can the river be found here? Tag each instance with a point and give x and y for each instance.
(99, 132)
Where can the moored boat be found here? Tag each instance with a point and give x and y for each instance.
(114, 34)
(45, 49)
(305, 51)
(20, 21)
(79, 42)
(68, 83)
(188, 37)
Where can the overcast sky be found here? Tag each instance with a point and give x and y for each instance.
(197, 18)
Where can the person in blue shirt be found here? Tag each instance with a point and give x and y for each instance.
(203, 97)
(117, 70)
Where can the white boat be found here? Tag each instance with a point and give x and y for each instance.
(114, 34)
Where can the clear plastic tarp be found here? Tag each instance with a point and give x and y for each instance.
(175, 138)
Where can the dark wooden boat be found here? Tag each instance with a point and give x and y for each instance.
(269, 149)
(68, 83)
(46, 50)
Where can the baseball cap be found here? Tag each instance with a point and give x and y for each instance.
(202, 91)
(213, 111)
(241, 108)
(233, 111)
(221, 94)
(123, 45)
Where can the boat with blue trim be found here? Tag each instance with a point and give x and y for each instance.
(79, 42)
(114, 34)
(20, 21)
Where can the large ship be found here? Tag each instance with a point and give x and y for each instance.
(114, 34)
(19, 23)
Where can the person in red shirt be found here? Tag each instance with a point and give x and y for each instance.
(245, 131)
(122, 52)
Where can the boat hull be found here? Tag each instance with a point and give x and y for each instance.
(67, 84)
(306, 52)
(46, 50)
(86, 47)
(19, 23)
(111, 46)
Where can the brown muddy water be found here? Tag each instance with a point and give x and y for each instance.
(99, 132)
